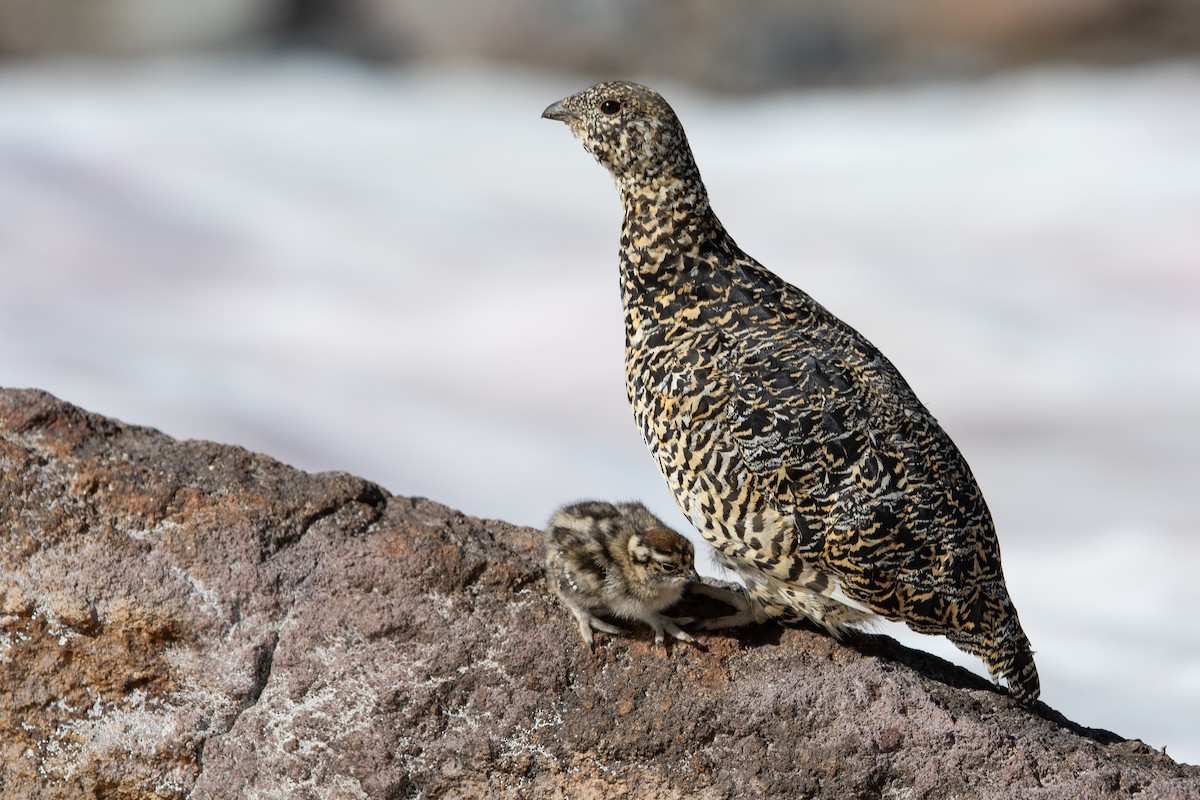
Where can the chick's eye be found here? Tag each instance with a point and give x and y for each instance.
(610, 106)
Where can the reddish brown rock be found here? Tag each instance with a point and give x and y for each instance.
(186, 619)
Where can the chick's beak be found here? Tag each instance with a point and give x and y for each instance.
(558, 112)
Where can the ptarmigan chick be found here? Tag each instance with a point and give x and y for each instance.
(618, 559)
(793, 445)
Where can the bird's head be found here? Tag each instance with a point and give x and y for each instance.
(631, 131)
(663, 557)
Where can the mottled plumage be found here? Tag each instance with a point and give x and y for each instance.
(619, 560)
(791, 443)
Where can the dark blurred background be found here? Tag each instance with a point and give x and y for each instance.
(734, 46)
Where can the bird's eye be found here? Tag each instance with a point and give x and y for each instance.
(610, 106)
(669, 567)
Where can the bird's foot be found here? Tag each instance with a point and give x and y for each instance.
(664, 625)
(605, 627)
(588, 622)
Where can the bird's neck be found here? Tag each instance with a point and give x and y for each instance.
(665, 220)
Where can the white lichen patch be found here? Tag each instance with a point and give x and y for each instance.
(314, 728)
(342, 703)
(206, 599)
(136, 726)
(442, 605)
(141, 534)
(521, 742)
(209, 684)
(54, 623)
(490, 663)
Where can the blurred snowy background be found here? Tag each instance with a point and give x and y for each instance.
(342, 236)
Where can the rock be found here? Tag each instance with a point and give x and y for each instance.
(188, 619)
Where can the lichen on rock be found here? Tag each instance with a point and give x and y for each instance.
(187, 619)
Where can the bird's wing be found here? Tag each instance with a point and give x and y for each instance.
(809, 426)
(880, 496)
(836, 443)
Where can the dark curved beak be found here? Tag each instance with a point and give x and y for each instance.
(556, 111)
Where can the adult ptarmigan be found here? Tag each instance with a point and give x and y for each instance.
(791, 443)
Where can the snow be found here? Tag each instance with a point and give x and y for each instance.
(408, 275)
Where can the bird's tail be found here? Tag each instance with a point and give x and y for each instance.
(1014, 664)
(1009, 658)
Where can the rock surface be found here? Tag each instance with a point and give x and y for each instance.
(187, 619)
